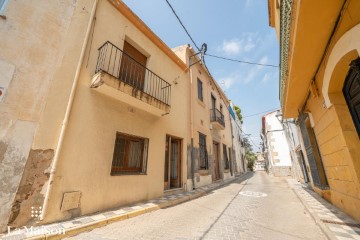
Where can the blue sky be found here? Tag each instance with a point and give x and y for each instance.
(236, 29)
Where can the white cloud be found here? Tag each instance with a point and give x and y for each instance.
(231, 47)
(264, 60)
(265, 78)
(247, 75)
(226, 82)
(255, 70)
(246, 43)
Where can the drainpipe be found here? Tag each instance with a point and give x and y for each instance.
(192, 129)
(67, 114)
(232, 144)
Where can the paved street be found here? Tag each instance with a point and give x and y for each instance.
(266, 208)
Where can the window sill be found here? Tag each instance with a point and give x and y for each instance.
(126, 174)
(203, 172)
(201, 103)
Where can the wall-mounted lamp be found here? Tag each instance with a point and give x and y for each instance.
(278, 116)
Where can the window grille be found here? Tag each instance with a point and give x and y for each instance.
(130, 155)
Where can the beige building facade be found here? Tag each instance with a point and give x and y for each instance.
(210, 155)
(101, 121)
(97, 113)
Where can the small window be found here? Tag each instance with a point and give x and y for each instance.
(203, 152)
(226, 159)
(130, 155)
(200, 90)
(3, 5)
(221, 108)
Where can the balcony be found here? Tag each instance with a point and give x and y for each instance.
(217, 119)
(120, 76)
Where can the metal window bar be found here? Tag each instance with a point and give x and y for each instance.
(130, 155)
(217, 116)
(113, 61)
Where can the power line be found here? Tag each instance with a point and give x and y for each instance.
(255, 114)
(182, 25)
(211, 55)
(241, 61)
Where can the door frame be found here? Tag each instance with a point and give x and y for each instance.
(216, 174)
(167, 184)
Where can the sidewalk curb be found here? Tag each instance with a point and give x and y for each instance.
(329, 235)
(73, 231)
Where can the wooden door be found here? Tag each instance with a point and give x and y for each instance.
(172, 169)
(133, 66)
(175, 163)
(312, 151)
(216, 175)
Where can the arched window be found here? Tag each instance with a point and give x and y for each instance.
(351, 92)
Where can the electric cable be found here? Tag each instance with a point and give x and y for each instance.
(255, 114)
(241, 61)
(187, 32)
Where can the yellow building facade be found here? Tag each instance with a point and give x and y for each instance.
(319, 85)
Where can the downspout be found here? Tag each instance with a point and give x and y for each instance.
(232, 145)
(67, 114)
(192, 130)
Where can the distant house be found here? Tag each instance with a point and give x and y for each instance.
(276, 150)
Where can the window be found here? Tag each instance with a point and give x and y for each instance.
(351, 92)
(221, 108)
(200, 90)
(3, 5)
(203, 164)
(130, 155)
(226, 159)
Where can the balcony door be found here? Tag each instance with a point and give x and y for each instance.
(172, 169)
(133, 66)
(213, 102)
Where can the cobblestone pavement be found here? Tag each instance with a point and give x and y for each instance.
(262, 207)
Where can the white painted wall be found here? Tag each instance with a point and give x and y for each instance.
(279, 152)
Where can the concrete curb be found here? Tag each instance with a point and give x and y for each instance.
(317, 220)
(85, 227)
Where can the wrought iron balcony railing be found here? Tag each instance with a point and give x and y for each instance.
(217, 116)
(113, 61)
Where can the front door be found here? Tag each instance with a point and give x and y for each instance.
(312, 152)
(216, 175)
(172, 170)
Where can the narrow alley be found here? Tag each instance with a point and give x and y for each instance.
(260, 207)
